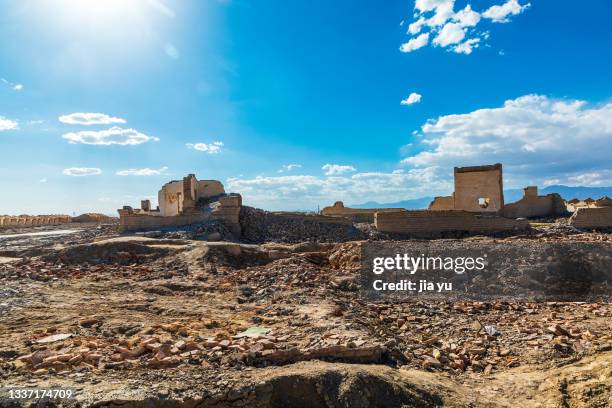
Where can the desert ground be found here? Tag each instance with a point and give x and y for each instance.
(181, 319)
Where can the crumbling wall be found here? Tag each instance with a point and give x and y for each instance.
(170, 198)
(479, 183)
(355, 214)
(130, 221)
(32, 220)
(227, 211)
(426, 224)
(442, 203)
(592, 218)
(209, 188)
(533, 205)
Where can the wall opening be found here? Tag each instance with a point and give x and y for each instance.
(483, 202)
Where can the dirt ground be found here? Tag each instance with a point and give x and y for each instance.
(137, 321)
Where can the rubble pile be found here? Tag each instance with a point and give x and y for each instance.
(225, 318)
(262, 226)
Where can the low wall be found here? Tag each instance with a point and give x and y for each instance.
(425, 223)
(536, 206)
(14, 221)
(143, 222)
(355, 214)
(592, 217)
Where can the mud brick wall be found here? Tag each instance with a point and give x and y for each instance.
(142, 222)
(228, 213)
(472, 183)
(592, 217)
(16, 221)
(355, 214)
(311, 217)
(535, 206)
(424, 223)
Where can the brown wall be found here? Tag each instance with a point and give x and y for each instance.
(424, 223)
(536, 206)
(13, 221)
(442, 203)
(356, 214)
(592, 217)
(479, 181)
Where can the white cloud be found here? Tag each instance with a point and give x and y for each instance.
(162, 8)
(210, 148)
(142, 172)
(289, 167)
(412, 99)
(415, 27)
(42, 180)
(449, 28)
(451, 33)
(307, 191)
(467, 17)
(171, 51)
(13, 86)
(415, 43)
(429, 5)
(499, 14)
(467, 46)
(82, 171)
(333, 169)
(597, 178)
(87, 119)
(534, 136)
(8, 124)
(112, 136)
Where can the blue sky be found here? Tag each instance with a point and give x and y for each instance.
(296, 104)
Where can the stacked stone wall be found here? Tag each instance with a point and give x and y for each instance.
(16, 221)
(424, 223)
(592, 217)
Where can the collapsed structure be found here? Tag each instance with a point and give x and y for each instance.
(184, 202)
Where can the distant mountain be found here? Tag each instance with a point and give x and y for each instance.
(510, 196)
(415, 204)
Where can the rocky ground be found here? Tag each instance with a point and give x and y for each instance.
(137, 321)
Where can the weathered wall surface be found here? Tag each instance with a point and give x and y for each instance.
(32, 220)
(472, 183)
(170, 198)
(442, 203)
(228, 213)
(356, 214)
(143, 222)
(592, 217)
(209, 188)
(536, 206)
(424, 223)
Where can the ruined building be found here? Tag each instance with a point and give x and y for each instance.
(184, 202)
(477, 189)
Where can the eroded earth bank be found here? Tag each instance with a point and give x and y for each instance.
(162, 321)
